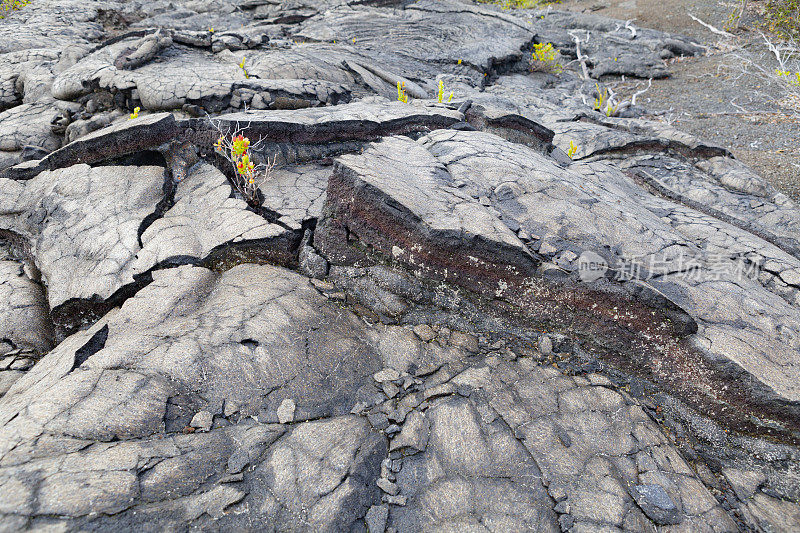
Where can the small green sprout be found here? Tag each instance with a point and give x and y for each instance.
(135, 113)
(545, 58)
(440, 96)
(572, 149)
(604, 104)
(402, 96)
(602, 96)
(789, 77)
(244, 70)
(732, 22)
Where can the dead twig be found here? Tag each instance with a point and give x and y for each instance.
(710, 28)
(640, 93)
(787, 60)
(582, 58)
(630, 27)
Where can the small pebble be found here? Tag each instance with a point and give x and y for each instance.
(376, 518)
(387, 486)
(202, 421)
(378, 420)
(400, 499)
(286, 411)
(545, 345)
(424, 332)
(392, 429)
(464, 340)
(390, 389)
(358, 408)
(230, 408)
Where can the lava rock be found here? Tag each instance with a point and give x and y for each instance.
(656, 504)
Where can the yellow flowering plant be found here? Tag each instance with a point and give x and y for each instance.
(440, 95)
(9, 6)
(239, 146)
(402, 95)
(247, 176)
(572, 149)
(792, 78)
(546, 58)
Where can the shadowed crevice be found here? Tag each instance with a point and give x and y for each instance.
(94, 345)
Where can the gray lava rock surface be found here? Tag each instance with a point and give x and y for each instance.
(392, 330)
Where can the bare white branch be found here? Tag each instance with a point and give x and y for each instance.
(630, 27)
(737, 106)
(637, 94)
(711, 28)
(581, 57)
(752, 62)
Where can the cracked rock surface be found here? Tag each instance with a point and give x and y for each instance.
(425, 317)
(501, 186)
(81, 224)
(24, 321)
(203, 219)
(263, 338)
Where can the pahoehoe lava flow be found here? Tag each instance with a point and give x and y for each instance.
(380, 265)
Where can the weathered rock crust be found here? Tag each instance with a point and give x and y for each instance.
(398, 334)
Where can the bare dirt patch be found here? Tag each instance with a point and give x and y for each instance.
(710, 96)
